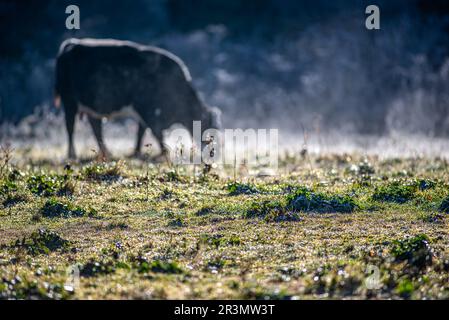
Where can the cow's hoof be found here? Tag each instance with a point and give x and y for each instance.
(162, 158)
(137, 155)
(104, 156)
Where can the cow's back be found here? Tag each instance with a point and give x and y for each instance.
(109, 74)
(119, 50)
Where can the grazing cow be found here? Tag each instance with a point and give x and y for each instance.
(106, 78)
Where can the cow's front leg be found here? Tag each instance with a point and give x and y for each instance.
(165, 153)
(97, 128)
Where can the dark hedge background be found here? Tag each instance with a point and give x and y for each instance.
(264, 62)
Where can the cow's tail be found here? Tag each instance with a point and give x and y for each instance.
(58, 84)
(57, 100)
(61, 73)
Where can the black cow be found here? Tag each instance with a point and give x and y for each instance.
(105, 78)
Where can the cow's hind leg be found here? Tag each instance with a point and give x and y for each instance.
(97, 128)
(70, 109)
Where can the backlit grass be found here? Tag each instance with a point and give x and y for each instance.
(311, 231)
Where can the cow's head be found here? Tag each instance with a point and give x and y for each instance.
(212, 118)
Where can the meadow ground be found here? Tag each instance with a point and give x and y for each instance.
(326, 226)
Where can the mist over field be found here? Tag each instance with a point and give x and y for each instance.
(300, 66)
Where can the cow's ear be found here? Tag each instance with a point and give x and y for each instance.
(215, 118)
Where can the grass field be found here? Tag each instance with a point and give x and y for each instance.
(332, 226)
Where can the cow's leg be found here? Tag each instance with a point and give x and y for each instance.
(97, 127)
(164, 150)
(70, 114)
(140, 134)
